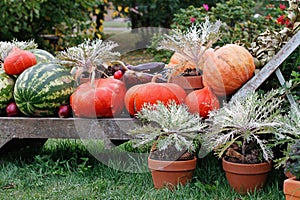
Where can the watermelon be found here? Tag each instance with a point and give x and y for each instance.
(41, 89)
(6, 89)
(42, 55)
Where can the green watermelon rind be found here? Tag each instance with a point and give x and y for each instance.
(42, 55)
(41, 89)
(6, 89)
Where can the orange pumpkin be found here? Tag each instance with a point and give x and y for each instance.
(227, 69)
(202, 101)
(18, 60)
(152, 92)
(105, 98)
(177, 59)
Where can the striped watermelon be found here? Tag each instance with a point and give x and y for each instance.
(41, 89)
(6, 89)
(42, 55)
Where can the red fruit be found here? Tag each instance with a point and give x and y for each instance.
(64, 111)
(118, 74)
(202, 101)
(12, 110)
(105, 98)
(18, 60)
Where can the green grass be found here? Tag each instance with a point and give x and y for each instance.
(64, 169)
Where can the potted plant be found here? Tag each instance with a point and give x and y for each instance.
(88, 59)
(189, 46)
(291, 186)
(172, 132)
(290, 161)
(241, 133)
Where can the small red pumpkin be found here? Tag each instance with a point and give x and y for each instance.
(227, 69)
(152, 92)
(104, 98)
(18, 60)
(202, 101)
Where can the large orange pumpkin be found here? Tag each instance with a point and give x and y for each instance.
(202, 101)
(18, 60)
(105, 98)
(152, 92)
(227, 69)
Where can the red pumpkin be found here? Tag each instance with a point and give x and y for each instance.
(152, 92)
(105, 98)
(202, 101)
(227, 69)
(18, 60)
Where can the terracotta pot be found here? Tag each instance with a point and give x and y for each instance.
(188, 83)
(289, 175)
(291, 189)
(245, 178)
(171, 173)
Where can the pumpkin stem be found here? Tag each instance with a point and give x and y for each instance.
(155, 77)
(121, 63)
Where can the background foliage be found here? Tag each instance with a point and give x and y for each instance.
(69, 20)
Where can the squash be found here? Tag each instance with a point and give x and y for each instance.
(178, 58)
(202, 102)
(18, 60)
(104, 98)
(152, 92)
(227, 69)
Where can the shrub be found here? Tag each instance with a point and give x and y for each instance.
(70, 20)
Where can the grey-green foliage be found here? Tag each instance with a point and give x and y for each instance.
(173, 124)
(242, 120)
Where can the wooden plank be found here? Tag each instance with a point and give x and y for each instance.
(66, 128)
(270, 67)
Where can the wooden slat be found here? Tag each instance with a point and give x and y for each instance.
(270, 67)
(68, 128)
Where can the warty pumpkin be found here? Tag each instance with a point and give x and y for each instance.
(202, 102)
(226, 69)
(152, 92)
(18, 60)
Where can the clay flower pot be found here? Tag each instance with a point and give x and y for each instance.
(188, 83)
(171, 173)
(245, 178)
(291, 189)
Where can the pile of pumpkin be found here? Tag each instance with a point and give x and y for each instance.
(44, 88)
(225, 70)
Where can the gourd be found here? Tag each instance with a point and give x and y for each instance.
(103, 98)
(18, 60)
(202, 102)
(152, 92)
(227, 69)
(177, 59)
(41, 89)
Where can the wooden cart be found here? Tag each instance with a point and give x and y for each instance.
(16, 131)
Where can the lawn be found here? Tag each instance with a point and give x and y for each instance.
(65, 169)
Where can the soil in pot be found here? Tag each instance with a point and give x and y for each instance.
(291, 189)
(171, 173)
(245, 178)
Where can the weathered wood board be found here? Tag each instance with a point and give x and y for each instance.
(66, 128)
(270, 67)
